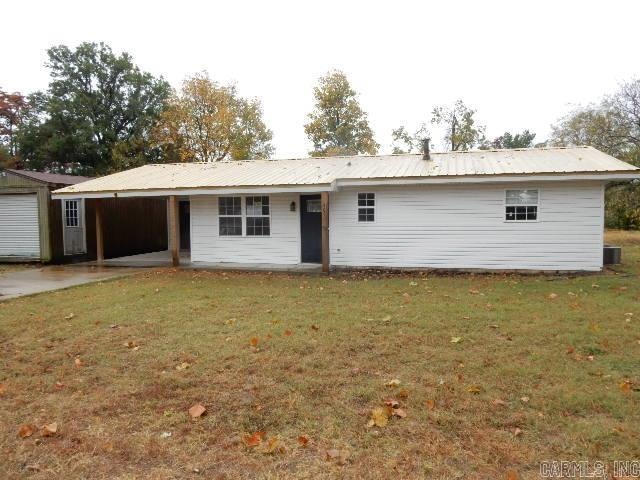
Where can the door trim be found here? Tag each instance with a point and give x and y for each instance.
(82, 218)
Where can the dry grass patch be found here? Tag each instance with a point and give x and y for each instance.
(493, 372)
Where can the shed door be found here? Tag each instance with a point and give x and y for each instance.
(19, 227)
(73, 227)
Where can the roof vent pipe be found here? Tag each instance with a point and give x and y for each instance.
(425, 149)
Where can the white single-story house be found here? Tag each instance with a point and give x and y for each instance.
(523, 209)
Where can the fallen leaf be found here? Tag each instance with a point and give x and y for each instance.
(393, 383)
(303, 440)
(253, 440)
(130, 344)
(78, 362)
(431, 404)
(570, 350)
(386, 319)
(524, 399)
(165, 434)
(512, 475)
(315, 327)
(25, 431)
(517, 432)
(288, 333)
(456, 339)
(333, 453)
(274, 445)
(3, 389)
(403, 394)
(50, 429)
(413, 284)
(552, 296)
(183, 366)
(197, 410)
(475, 389)
(473, 291)
(625, 386)
(499, 402)
(59, 385)
(254, 341)
(399, 412)
(390, 402)
(69, 317)
(379, 417)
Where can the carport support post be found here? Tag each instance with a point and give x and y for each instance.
(99, 233)
(324, 203)
(174, 239)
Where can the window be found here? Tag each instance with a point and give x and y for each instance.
(71, 213)
(258, 221)
(314, 205)
(521, 205)
(230, 216)
(366, 207)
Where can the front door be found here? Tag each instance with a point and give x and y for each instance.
(311, 228)
(73, 227)
(185, 225)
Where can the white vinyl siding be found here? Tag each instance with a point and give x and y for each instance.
(281, 246)
(19, 226)
(463, 227)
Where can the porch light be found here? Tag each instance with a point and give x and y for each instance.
(292, 207)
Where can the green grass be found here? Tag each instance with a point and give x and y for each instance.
(324, 382)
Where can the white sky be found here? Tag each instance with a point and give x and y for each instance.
(520, 64)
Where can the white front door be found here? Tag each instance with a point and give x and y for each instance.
(73, 227)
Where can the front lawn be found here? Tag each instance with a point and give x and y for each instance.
(495, 373)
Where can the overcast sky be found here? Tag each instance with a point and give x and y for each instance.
(520, 64)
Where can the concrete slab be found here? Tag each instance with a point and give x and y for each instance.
(163, 259)
(45, 279)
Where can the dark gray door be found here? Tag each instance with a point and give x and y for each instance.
(311, 228)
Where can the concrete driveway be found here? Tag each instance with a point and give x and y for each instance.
(44, 279)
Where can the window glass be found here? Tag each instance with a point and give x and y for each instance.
(230, 216)
(71, 214)
(366, 207)
(521, 205)
(258, 220)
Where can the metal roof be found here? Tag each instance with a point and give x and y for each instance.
(324, 171)
(54, 178)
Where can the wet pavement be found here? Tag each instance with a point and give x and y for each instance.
(44, 279)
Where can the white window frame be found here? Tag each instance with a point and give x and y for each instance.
(374, 207)
(507, 204)
(247, 216)
(77, 210)
(221, 215)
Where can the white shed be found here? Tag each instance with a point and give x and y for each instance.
(524, 209)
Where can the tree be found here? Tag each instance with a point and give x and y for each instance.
(208, 122)
(613, 126)
(461, 130)
(99, 106)
(13, 108)
(338, 125)
(405, 142)
(509, 140)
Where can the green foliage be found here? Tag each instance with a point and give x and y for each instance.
(613, 126)
(462, 131)
(95, 116)
(338, 125)
(208, 122)
(509, 140)
(405, 142)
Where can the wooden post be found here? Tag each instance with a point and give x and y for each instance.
(99, 233)
(174, 239)
(324, 202)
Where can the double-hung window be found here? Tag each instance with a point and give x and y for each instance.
(230, 216)
(71, 213)
(521, 205)
(258, 216)
(366, 207)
